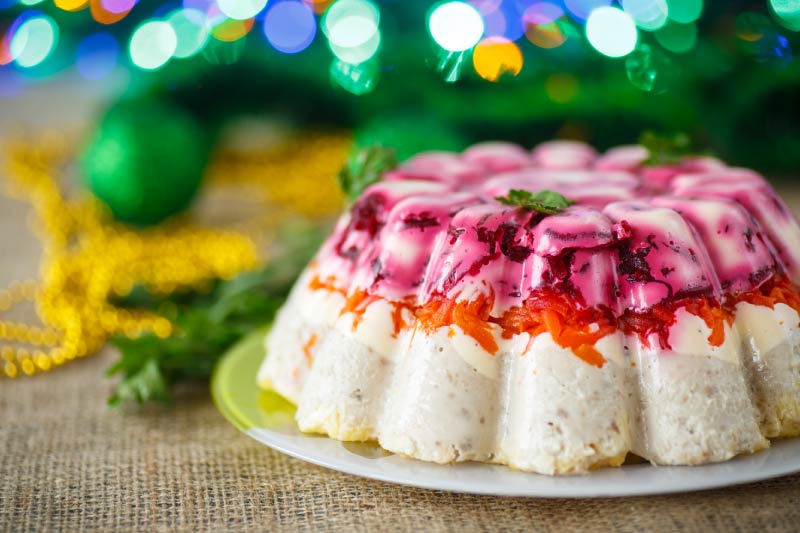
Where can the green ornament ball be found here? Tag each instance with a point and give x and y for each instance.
(145, 161)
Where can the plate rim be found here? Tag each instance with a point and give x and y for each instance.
(705, 480)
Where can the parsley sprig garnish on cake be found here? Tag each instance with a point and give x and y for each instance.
(365, 167)
(543, 201)
(665, 149)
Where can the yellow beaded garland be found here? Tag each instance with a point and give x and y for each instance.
(88, 258)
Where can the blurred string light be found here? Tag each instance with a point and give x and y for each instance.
(541, 25)
(676, 37)
(760, 40)
(611, 31)
(226, 29)
(580, 9)
(357, 79)
(71, 5)
(484, 31)
(495, 56)
(110, 11)
(241, 9)
(455, 26)
(152, 44)
(648, 14)
(218, 52)
(34, 40)
(290, 26)
(751, 26)
(502, 18)
(353, 30)
(648, 69)
(685, 11)
(318, 6)
(96, 56)
(191, 29)
(7, 30)
(787, 12)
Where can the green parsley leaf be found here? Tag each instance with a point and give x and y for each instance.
(544, 201)
(665, 149)
(206, 324)
(365, 167)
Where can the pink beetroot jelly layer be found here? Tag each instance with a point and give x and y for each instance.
(638, 244)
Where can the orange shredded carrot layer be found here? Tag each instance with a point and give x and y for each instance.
(312, 340)
(472, 317)
(714, 317)
(357, 304)
(329, 284)
(777, 289)
(570, 327)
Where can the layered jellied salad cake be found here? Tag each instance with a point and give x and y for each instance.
(552, 310)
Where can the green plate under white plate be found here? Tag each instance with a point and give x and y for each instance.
(268, 418)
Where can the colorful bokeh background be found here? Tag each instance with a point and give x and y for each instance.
(420, 75)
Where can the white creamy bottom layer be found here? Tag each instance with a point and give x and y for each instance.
(771, 348)
(693, 402)
(534, 405)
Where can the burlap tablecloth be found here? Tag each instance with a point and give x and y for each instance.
(69, 463)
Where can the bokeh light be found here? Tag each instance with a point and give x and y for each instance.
(455, 26)
(611, 31)
(229, 30)
(676, 37)
(580, 9)
(224, 28)
(541, 26)
(685, 11)
(203, 6)
(23, 2)
(769, 47)
(648, 14)
(751, 26)
(152, 44)
(648, 69)
(495, 56)
(357, 79)
(218, 52)
(118, 6)
(34, 40)
(96, 56)
(502, 18)
(787, 12)
(352, 29)
(110, 11)
(71, 5)
(241, 9)
(7, 30)
(318, 6)
(191, 31)
(290, 26)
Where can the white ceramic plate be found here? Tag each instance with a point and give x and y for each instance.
(268, 418)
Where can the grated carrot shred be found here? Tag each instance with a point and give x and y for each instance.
(312, 340)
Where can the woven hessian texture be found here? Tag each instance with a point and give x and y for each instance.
(69, 463)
